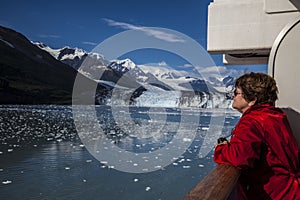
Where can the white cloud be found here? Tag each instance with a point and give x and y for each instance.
(220, 70)
(147, 30)
(90, 43)
(186, 66)
(213, 69)
(49, 36)
(162, 63)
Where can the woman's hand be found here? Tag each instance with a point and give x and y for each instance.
(221, 141)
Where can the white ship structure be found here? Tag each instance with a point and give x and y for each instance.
(261, 32)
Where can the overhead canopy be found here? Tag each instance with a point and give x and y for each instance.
(245, 30)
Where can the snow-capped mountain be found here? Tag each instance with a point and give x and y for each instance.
(72, 56)
(163, 71)
(159, 85)
(30, 75)
(95, 66)
(228, 81)
(133, 71)
(123, 65)
(189, 90)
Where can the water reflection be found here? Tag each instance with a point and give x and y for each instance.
(42, 157)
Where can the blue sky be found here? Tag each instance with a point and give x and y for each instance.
(85, 24)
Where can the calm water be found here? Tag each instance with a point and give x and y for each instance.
(42, 156)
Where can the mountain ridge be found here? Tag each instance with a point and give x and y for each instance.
(34, 73)
(30, 75)
(156, 80)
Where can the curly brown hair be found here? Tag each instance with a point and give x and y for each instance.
(258, 86)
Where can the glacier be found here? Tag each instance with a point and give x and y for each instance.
(147, 85)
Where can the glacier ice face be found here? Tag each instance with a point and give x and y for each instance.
(177, 100)
(165, 86)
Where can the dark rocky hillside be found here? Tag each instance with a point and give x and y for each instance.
(29, 75)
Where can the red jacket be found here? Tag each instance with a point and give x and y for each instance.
(263, 148)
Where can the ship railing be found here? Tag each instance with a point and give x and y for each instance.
(219, 184)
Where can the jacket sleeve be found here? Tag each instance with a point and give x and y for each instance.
(244, 147)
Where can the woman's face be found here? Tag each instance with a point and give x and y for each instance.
(239, 103)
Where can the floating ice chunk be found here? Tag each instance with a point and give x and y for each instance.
(205, 128)
(6, 182)
(186, 139)
(148, 188)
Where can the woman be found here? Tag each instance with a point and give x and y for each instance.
(262, 145)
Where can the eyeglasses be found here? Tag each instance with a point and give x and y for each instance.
(235, 93)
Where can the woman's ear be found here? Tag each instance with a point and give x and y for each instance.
(251, 103)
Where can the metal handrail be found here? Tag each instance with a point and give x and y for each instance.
(217, 185)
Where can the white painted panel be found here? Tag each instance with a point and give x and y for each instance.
(284, 64)
(274, 6)
(244, 26)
